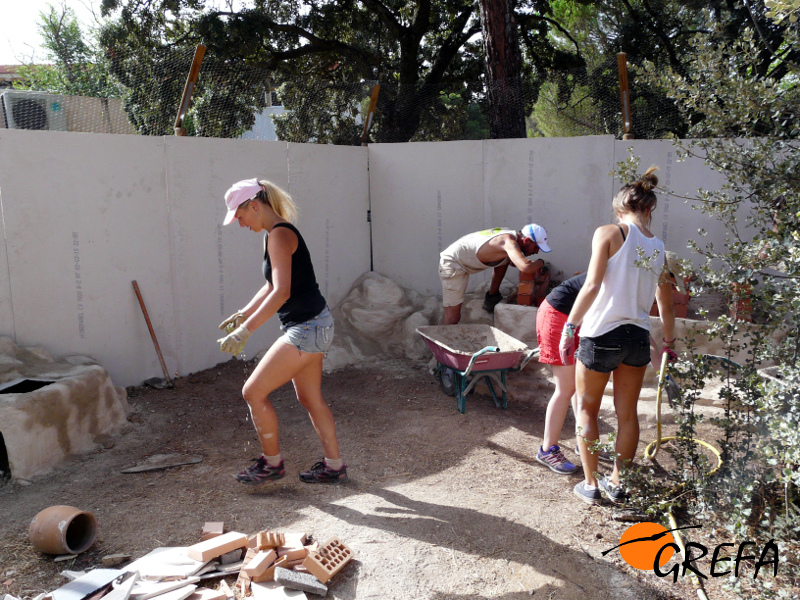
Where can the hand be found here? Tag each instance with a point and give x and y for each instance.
(233, 321)
(234, 342)
(672, 356)
(566, 348)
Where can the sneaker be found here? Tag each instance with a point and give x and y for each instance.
(555, 460)
(615, 493)
(320, 473)
(602, 456)
(491, 300)
(260, 471)
(588, 496)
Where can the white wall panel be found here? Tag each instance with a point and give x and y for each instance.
(330, 185)
(6, 312)
(217, 269)
(84, 216)
(676, 219)
(424, 196)
(559, 183)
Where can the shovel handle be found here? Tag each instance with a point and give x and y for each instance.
(150, 328)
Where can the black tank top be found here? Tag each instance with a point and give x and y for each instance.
(305, 300)
(563, 296)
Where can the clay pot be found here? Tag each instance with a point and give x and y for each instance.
(62, 530)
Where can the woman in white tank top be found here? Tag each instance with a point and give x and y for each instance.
(625, 272)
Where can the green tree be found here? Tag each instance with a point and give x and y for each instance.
(748, 131)
(326, 55)
(78, 68)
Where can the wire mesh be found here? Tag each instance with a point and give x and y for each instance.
(233, 100)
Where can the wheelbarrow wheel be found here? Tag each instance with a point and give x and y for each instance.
(447, 380)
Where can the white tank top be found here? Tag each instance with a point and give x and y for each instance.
(629, 287)
(464, 251)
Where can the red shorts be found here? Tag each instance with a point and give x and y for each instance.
(549, 325)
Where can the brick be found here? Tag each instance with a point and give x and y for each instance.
(267, 539)
(205, 551)
(329, 560)
(293, 553)
(259, 564)
(525, 287)
(300, 581)
(524, 299)
(269, 574)
(291, 564)
(526, 276)
(243, 576)
(273, 591)
(295, 540)
(212, 529)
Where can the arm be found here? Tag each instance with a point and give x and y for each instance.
(281, 244)
(666, 309)
(497, 278)
(516, 256)
(251, 306)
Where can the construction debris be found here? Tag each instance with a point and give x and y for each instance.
(269, 565)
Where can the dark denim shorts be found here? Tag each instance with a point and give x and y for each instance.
(624, 345)
(315, 335)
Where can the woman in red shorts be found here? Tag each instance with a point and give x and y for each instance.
(550, 319)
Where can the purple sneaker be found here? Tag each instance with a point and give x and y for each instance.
(260, 471)
(320, 473)
(554, 459)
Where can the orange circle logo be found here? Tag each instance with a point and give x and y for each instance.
(640, 544)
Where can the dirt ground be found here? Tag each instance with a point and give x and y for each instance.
(439, 505)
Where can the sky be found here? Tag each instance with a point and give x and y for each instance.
(20, 40)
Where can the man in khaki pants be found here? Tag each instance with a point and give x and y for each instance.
(488, 249)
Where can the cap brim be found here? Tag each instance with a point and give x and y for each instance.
(543, 246)
(229, 217)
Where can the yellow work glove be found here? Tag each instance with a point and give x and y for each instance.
(233, 321)
(234, 342)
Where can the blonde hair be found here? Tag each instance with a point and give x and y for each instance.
(637, 197)
(278, 199)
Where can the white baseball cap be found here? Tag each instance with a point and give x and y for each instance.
(239, 193)
(538, 234)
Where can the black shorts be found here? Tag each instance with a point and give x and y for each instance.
(624, 345)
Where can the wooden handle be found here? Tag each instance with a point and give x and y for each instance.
(150, 328)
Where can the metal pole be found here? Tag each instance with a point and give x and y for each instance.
(194, 71)
(370, 112)
(627, 126)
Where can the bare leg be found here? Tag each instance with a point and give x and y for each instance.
(279, 365)
(627, 387)
(452, 314)
(559, 404)
(590, 386)
(308, 385)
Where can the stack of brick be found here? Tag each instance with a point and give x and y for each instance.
(532, 287)
(291, 560)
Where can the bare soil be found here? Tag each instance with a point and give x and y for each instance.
(439, 505)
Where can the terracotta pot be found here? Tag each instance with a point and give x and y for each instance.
(62, 530)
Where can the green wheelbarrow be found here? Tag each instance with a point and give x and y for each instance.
(473, 353)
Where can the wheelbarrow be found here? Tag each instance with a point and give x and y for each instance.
(480, 351)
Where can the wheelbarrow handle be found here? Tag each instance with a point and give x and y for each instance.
(476, 355)
(533, 353)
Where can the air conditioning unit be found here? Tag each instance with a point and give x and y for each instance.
(33, 110)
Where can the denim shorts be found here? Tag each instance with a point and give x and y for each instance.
(315, 335)
(624, 345)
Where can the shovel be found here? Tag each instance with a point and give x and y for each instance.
(155, 382)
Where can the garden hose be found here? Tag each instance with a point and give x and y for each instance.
(651, 451)
(653, 447)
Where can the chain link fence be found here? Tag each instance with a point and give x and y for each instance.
(238, 101)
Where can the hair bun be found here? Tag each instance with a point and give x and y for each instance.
(648, 180)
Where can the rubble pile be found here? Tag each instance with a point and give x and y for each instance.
(269, 565)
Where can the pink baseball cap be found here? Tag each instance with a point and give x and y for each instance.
(239, 193)
(538, 234)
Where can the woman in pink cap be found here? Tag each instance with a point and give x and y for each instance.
(293, 294)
